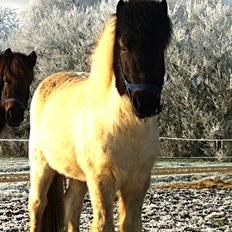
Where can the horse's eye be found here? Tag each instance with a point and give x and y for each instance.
(124, 45)
(7, 83)
(124, 49)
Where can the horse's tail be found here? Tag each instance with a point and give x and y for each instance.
(53, 218)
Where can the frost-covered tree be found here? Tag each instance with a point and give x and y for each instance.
(78, 3)
(8, 22)
(62, 34)
(197, 95)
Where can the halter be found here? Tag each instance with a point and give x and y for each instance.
(12, 99)
(142, 87)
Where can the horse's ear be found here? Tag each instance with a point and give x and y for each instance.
(32, 58)
(164, 5)
(8, 55)
(120, 5)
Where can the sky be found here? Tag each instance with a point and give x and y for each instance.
(17, 4)
(20, 4)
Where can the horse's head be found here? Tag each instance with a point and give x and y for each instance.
(16, 72)
(143, 30)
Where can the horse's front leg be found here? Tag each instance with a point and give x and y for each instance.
(131, 197)
(102, 193)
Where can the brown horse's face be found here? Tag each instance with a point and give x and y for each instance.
(143, 72)
(139, 54)
(16, 78)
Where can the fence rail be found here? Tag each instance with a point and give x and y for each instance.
(195, 140)
(14, 140)
(193, 158)
(160, 138)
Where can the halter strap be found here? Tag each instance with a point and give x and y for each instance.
(12, 99)
(143, 87)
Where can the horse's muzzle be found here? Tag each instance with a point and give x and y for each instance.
(14, 116)
(146, 104)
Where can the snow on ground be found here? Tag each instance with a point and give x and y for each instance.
(13, 165)
(165, 210)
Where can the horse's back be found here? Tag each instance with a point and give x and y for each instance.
(51, 130)
(51, 85)
(55, 82)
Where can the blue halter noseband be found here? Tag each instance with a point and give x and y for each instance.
(152, 88)
(13, 99)
(142, 87)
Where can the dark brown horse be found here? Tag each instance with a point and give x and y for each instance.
(16, 76)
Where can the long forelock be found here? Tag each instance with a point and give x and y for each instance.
(139, 18)
(20, 69)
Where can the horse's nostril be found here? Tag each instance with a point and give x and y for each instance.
(14, 113)
(9, 114)
(136, 102)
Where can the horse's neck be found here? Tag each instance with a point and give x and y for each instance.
(102, 78)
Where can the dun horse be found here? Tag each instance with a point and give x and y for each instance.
(16, 75)
(101, 132)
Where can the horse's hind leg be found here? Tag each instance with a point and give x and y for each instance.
(41, 176)
(131, 199)
(102, 193)
(73, 202)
